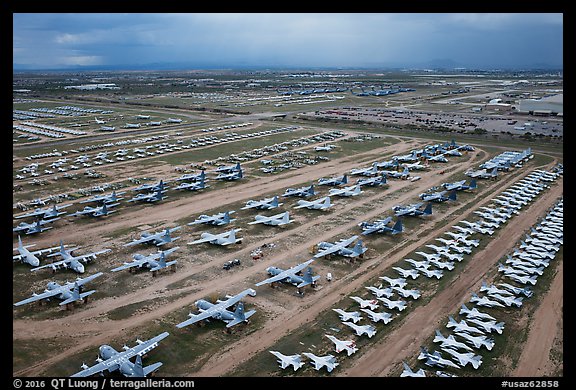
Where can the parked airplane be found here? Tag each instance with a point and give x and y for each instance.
(98, 211)
(274, 220)
(488, 326)
(149, 261)
(318, 362)
(264, 204)
(401, 282)
(152, 187)
(435, 359)
(346, 191)
(318, 204)
(379, 291)
(225, 238)
(35, 227)
(372, 181)
(193, 186)
(25, 256)
(431, 273)
(507, 300)
(111, 360)
(67, 293)
(353, 316)
(407, 372)
(99, 121)
(70, 261)
(449, 342)
(407, 272)
(371, 303)
(484, 301)
(324, 148)
(522, 279)
(343, 345)
(375, 317)
(303, 192)
(360, 330)
(477, 341)
(372, 171)
(398, 175)
(107, 198)
(483, 173)
(340, 248)
(219, 219)
(156, 196)
(415, 166)
(381, 226)
(412, 209)
(229, 168)
(286, 360)
(219, 310)
(291, 275)
(517, 290)
(333, 181)
(46, 213)
(462, 326)
(158, 238)
(438, 196)
(391, 304)
(493, 289)
(424, 264)
(465, 358)
(413, 293)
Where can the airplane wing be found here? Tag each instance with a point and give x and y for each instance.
(115, 361)
(37, 297)
(54, 265)
(205, 239)
(81, 281)
(286, 273)
(336, 247)
(134, 263)
(92, 254)
(143, 239)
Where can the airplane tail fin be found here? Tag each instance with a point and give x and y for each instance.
(327, 202)
(308, 278)
(357, 189)
(451, 322)
(464, 309)
(397, 228)
(286, 218)
(226, 218)
(358, 248)
(428, 209)
(240, 174)
(472, 185)
(452, 195)
(345, 179)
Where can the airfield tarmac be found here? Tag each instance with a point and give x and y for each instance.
(173, 294)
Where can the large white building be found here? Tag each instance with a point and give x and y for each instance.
(551, 105)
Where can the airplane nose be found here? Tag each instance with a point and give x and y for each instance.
(80, 268)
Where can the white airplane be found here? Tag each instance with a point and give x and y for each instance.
(507, 300)
(333, 181)
(522, 279)
(462, 326)
(225, 238)
(371, 303)
(415, 166)
(35, 227)
(493, 289)
(517, 290)
(360, 330)
(97, 211)
(340, 248)
(346, 191)
(547, 243)
(149, 261)
(488, 326)
(381, 226)
(407, 372)
(511, 270)
(46, 213)
(435, 359)
(106, 198)
(372, 171)
(219, 310)
(152, 187)
(527, 267)
(324, 148)
(156, 196)
(318, 362)
(99, 121)
(301, 192)
(412, 209)
(25, 256)
(111, 360)
(291, 275)
(477, 227)
(390, 304)
(343, 345)
(69, 261)
(443, 250)
(465, 358)
(380, 292)
(67, 293)
(435, 273)
(401, 282)
(429, 256)
(318, 204)
(459, 185)
(474, 313)
(353, 316)
(482, 173)
(530, 257)
(192, 176)
(158, 238)
(375, 317)
(484, 301)
(413, 293)
(449, 342)
(264, 204)
(234, 175)
(424, 264)
(228, 168)
(438, 158)
(477, 341)
(288, 360)
(407, 272)
(540, 247)
(219, 219)
(193, 186)
(274, 220)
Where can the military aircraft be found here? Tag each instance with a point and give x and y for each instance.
(436, 273)
(340, 248)
(407, 372)
(35, 227)
(483, 173)
(106, 198)
(392, 163)
(156, 196)
(371, 303)
(219, 310)
(438, 196)
(343, 345)
(507, 300)
(424, 264)
(413, 293)
(318, 362)
(372, 181)
(333, 181)
(291, 275)
(111, 360)
(412, 209)
(219, 219)
(192, 176)
(360, 330)
(274, 220)
(410, 157)
(303, 192)
(465, 358)
(98, 211)
(67, 293)
(225, 238)
(462, 326)
(372, 171)
(391, 304)
(286, 360)
(346, 191)
(476, 227)
(413, 273)
(394, 282)
(152, 187)
(70, 261)
(493, 289)
(485, 301)
(460, 185)
(375, 317)
(149, 261)
(434, 259)
(229, 168)
(477, 341)
(449, 342)
(488, 326)
(324, 148)
(194, 186)
(318, 204)
(517, 290)
(435, 359)
(264, 204)
(49, 212)
(353, 316)
(230, 176)
(380, 292)
(158, 238)
(475, 313)
(25, 256)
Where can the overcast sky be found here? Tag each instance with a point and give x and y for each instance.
(227, 40)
